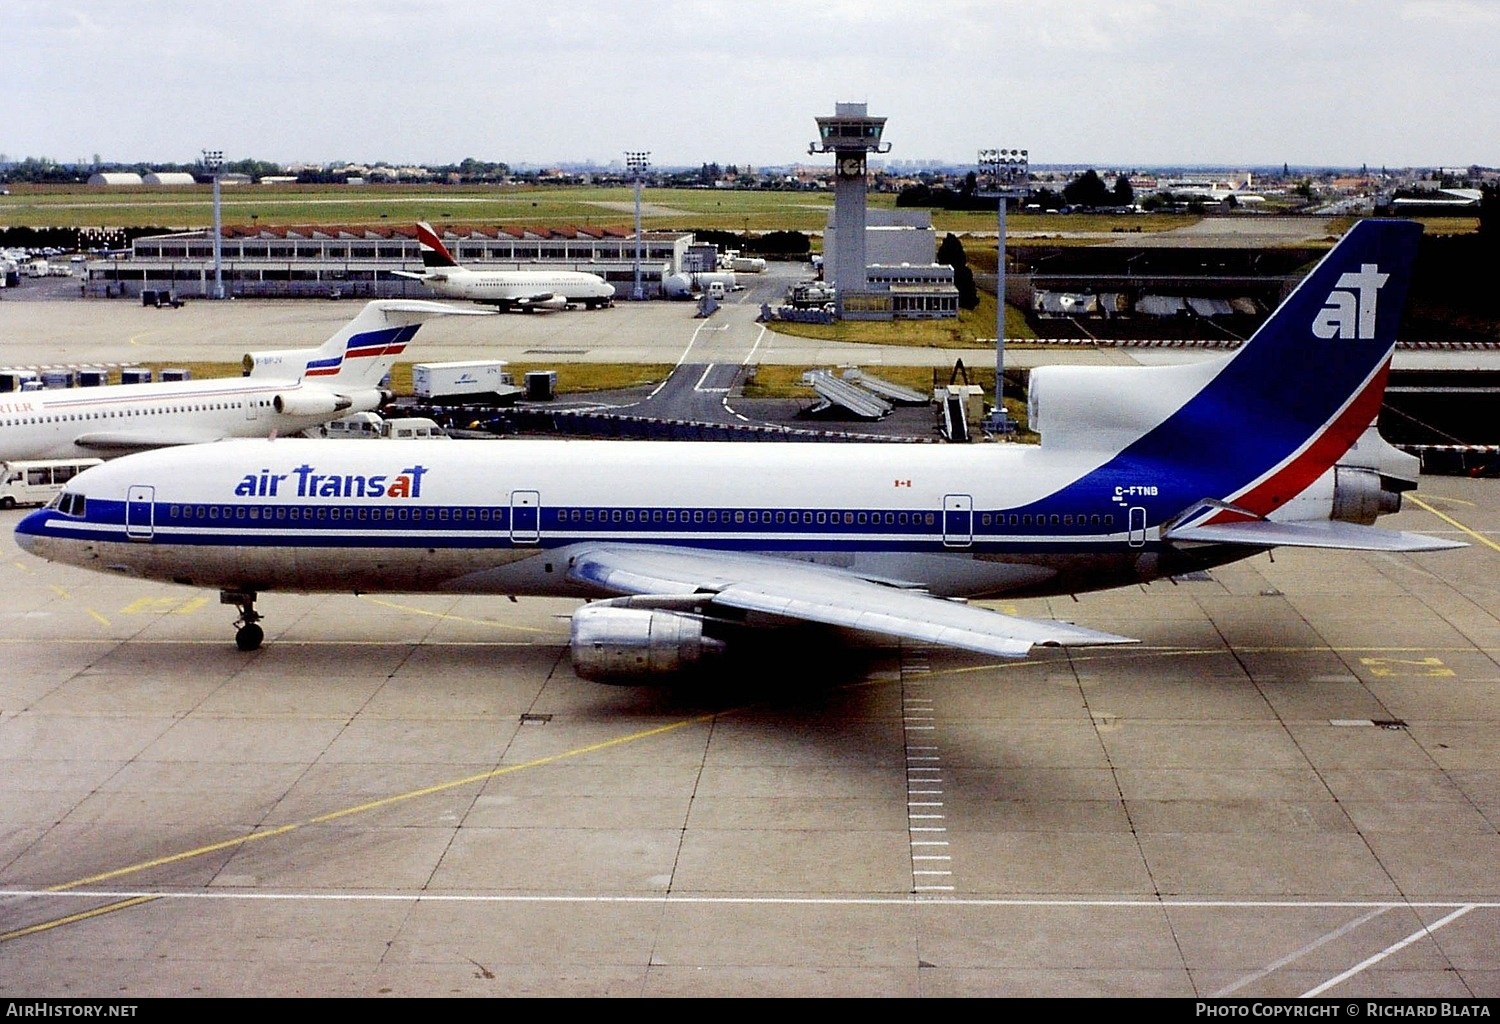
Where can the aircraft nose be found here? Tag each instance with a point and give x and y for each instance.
(30, 531)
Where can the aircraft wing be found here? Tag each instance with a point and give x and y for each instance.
(806, 592)
(1320, 534)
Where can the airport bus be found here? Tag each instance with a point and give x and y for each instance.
(36, 483)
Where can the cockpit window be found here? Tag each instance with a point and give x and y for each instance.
(69, 503)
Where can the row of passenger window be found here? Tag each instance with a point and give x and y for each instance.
(110, 414)
(585, 516)
(326, 513)
(1054, 519)
(740, 517)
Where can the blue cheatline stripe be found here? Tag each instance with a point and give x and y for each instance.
(464, 526)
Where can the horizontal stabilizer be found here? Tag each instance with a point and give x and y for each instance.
(1267, 533)
(416, 310)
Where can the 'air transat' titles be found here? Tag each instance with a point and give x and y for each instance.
(312, 484)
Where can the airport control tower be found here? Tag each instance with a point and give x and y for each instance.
(850, 134)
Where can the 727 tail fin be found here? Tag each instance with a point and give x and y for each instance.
(362, 352)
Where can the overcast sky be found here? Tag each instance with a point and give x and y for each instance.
(1123, 84)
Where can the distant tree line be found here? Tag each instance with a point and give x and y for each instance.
(1087, 190)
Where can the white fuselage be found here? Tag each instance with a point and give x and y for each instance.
(505, 516)
(66, 423)
(519, 286)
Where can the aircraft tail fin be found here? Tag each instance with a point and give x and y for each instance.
(435, 255)
(1284, 409)
(1256, 430)
(362, 352)
(1298, 395)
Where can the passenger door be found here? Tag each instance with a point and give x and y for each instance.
(525, 517)
(140, 502)
(958, 520)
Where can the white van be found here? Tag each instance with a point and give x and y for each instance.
(412, 427)
(36, 483)
(355, 425)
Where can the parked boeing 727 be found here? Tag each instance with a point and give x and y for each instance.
(1142, 472)
(282, 392)
(525, 290)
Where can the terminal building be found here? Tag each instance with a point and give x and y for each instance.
(359, 261)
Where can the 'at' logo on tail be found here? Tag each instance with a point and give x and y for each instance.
(1352, 307)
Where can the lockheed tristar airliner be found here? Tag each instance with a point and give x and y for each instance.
(525, 290)
(281, 393)
(681, 547)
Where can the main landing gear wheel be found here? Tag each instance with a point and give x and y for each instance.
(248, 633)
(249, 636)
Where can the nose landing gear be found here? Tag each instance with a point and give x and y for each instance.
(248, 633)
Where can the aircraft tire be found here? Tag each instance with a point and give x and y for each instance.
(249, 637)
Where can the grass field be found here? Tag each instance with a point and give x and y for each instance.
(683, 209)
(573, 378)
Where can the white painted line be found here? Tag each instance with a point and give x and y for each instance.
(1420, 933)
(1296, 955)
(661, 898)
(751, 354)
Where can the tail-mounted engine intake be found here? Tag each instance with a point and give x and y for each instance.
(611, 644)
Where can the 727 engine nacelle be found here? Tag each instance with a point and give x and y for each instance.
(324, 403)
(611, 644)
